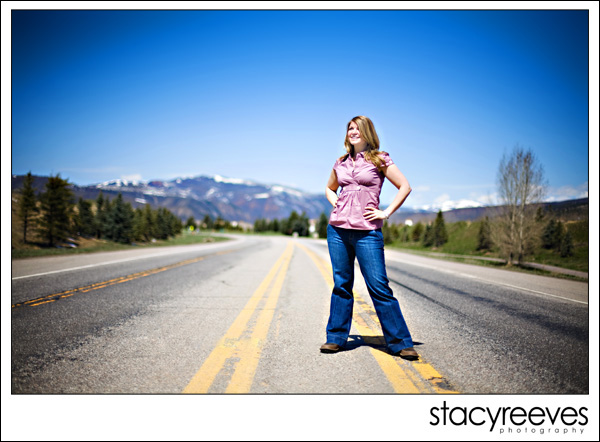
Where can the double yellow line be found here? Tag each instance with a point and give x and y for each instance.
(232, 364)
(240, 348)
(405, 377)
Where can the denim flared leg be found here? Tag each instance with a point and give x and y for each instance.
(370, 254)
(342, 257)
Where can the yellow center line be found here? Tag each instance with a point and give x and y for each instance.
(400, 374)
(99, 285)
(241, 381)
(232, 348)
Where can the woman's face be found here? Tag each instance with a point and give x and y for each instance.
(354, 135)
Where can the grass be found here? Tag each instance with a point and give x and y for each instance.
(495, 264)
(92, 245)
(463, 238)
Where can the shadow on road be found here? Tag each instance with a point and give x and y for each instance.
(376, 342)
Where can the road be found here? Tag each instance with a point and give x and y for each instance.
(248, 316)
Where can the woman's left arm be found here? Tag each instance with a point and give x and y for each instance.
(398, 179)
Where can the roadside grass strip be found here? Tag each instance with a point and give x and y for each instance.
(234, 360)
(414, 377)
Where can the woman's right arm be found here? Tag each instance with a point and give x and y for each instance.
(332, 187)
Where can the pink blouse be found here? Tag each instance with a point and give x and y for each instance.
(361, 184)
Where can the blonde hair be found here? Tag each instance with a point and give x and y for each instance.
(367, 133)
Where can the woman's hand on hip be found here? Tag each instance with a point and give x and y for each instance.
(371, 214)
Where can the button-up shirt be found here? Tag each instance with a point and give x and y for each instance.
(361, 184)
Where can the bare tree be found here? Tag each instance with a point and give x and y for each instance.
(520, 184)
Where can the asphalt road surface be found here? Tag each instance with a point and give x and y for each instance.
(248, 316)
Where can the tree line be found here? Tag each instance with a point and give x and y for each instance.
(208, 223)
(54, 216)
(519, 229)
(545, 232)
(295, 223)
(432, 234)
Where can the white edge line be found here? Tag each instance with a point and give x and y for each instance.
(486, 280)
(106, 263)
(87, 266)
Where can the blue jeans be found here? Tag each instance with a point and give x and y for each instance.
(367, 246)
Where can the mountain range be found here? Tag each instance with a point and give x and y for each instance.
(229, 198)
(246, 201)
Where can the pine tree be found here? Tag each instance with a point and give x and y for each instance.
(390, 232)
(221, 223)
(149, 223)
(428, 237)
(56, 205)
(322, 225)
(566, 245)
(84, 220)
(552, 235)
(120, 221)
(284, 226)
(403, 234)
(139, 228)
(417, 232)
(100, 219)
(386, 232)
(260, 225)
(208, 222)
(163, 226)
(301, 225)
(484, 238)
(394, 231)
(559, 235)
(175, 224)
(27, 205)
(274, 226)
(292, 223)
(548, 234)
(440, 235)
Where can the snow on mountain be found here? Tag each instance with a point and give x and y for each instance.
(121, 183)
(446, 206)
(221, 179)
(231, 198)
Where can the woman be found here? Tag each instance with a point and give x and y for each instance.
(354, 231)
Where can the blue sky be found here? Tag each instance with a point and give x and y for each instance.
(266, 95)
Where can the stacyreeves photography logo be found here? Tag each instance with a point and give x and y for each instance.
(507, 420)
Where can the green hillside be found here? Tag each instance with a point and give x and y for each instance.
(463, 239)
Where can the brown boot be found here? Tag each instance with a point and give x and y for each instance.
(330, 348)
(408, 353)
